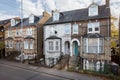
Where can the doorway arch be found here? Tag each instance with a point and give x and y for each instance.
(67, 47)
(75, 47)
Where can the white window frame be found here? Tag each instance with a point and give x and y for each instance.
(29, 31)
(75, 28)
(12, 22)
(26, 44)
(31, 19)
(9, 33)
(86, 45)
(67, 30)
(51, 45)
(93, 26)
(55, 46)
(31, 44)
(56, 16)
(93, 10)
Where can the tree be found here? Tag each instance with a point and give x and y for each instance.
(114, 32)
(2, 45)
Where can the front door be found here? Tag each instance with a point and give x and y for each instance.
(67, 47)
(75, 48)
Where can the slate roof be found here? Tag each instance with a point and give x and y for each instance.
(3, 22)
(93, 35)
(53, 37)
(26, 22)
(80, 15)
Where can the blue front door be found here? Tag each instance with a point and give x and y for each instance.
(75, 48)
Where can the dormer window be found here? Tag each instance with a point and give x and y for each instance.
(12, 22)
(93, 10)
(56, 15)
(31, 19)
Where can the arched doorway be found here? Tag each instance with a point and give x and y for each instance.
(67, 47)
(75, 48)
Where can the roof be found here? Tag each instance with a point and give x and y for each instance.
(53, 37)
(26, 22)
(80, 15)
(3, 22)
(93, 35)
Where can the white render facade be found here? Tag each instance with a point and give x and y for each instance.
(63, 32)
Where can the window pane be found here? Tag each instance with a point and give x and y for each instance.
(57, 46)
(97, 29)
(67, 30)
(92, 45)
(101, 46)
(90, 29)
(75, 28)
(51, 45)
(31, 44)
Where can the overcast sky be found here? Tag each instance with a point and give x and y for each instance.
(12, 8)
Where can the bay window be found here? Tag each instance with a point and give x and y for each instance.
(93, 45)
(28, 44)
(53, 45)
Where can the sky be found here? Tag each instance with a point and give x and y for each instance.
(12, 8)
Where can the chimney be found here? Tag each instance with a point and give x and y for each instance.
(46, 14)
(108, 3)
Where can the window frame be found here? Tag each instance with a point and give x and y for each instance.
(55, 45)
(31, 19)
(98, 45)
(93, 10)
(75, 29)
(56, 16)
(93, 25)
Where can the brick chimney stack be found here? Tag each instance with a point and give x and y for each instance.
(107, 3)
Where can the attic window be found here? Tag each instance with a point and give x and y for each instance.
(31, 19)
(56, 16)
(93, 10)
(12, 22)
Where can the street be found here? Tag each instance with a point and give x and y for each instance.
(14, 73)
(22, 71)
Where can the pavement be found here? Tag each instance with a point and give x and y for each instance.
(51, 71)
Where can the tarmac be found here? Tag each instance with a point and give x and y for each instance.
(51, 71)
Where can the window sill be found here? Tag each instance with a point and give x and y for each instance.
(53, 51)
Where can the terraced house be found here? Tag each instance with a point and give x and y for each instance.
(82, 34)
(21, 37)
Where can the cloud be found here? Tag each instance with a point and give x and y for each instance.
(38, 6)
(30, 7)
(5, 16)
